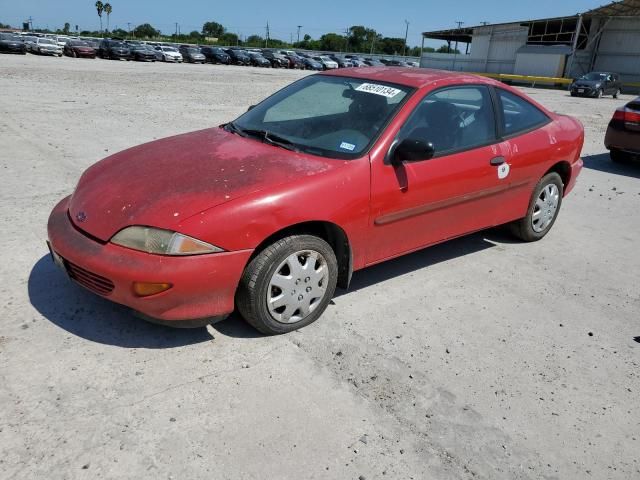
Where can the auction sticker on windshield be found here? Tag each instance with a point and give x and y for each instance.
(377, 89)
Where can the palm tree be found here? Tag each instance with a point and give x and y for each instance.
(107, 10)
(100, 8)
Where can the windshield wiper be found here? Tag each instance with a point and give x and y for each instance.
(233, 128)
(271, 138)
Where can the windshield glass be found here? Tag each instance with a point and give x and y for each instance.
(169, 49)
(78, 43)
(45, 41)
(594, 76)
(118, 45)
(336, 117)
(192, 50)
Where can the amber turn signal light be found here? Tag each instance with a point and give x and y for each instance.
(144, 289)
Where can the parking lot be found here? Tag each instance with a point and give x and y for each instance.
(479, 358)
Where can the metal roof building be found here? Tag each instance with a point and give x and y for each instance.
(605, 39)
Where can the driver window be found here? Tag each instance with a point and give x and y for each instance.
(453, 119)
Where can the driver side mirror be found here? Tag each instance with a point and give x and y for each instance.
(411, 150)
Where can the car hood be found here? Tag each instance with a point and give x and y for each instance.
(164, 182)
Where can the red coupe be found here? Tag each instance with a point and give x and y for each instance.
(338, 171)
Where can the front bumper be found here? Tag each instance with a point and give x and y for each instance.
(586, 91)
(203, 285)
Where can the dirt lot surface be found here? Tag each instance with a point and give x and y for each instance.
(479, 358)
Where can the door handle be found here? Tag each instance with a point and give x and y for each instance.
(495, 161)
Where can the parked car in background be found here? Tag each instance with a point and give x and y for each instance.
(114, 50)
(277, 60)
(168, 54)
(373, 62)
(29, 41)
(46, 46)
(341, 61)
(396, 63)
(215, 55)
(142, 52)
(623, 134)
(93, 42)
(267, 214)
(10, 43)
(413, 64)
(257, 60)
(596, 84)
(311, 64)
(79, 48)
(192, 54)
(238, 57)
(295, 61)
(326, 62)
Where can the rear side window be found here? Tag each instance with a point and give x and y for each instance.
(518, 114)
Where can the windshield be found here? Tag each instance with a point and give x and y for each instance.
(169, 49)
(336, 117)
(118, 45)
(78, 43)
(594, 76)
(192, 50)
(45, 41)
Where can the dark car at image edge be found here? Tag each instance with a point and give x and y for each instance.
(623, 134)
(10, 43)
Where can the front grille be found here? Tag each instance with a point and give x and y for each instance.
(96, 283)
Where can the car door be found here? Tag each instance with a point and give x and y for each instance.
(418, 203)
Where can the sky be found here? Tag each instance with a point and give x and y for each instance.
(250, 16)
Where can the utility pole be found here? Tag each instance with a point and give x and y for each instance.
(455, 49)
(299, 27)
(129, 28)
(266, 38)
(346, 42)
(176, 29)
(406, 34)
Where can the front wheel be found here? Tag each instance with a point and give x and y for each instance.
(288, 285)
(617, 93)
(599, 94)
(543, 210)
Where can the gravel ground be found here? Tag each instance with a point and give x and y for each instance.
(478, 358)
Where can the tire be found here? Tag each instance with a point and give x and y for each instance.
(259, 284)
(599, 94)
(526, 229)
(619, 157)
(616, 93)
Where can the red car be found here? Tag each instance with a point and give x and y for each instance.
(623, 133)
(336, 172)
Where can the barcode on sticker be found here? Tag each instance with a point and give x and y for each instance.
(377, 89)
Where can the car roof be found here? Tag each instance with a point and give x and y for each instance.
(410, 77)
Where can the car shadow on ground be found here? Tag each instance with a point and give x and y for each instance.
(89, 316)
(235, 327)
(603, 163)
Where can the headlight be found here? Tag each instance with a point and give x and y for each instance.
(161, 242)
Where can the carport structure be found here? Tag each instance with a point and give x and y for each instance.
(605, 38)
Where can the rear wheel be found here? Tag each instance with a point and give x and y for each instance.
(288, 285)
(543, 210)
(619, 157)
(616, 93)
